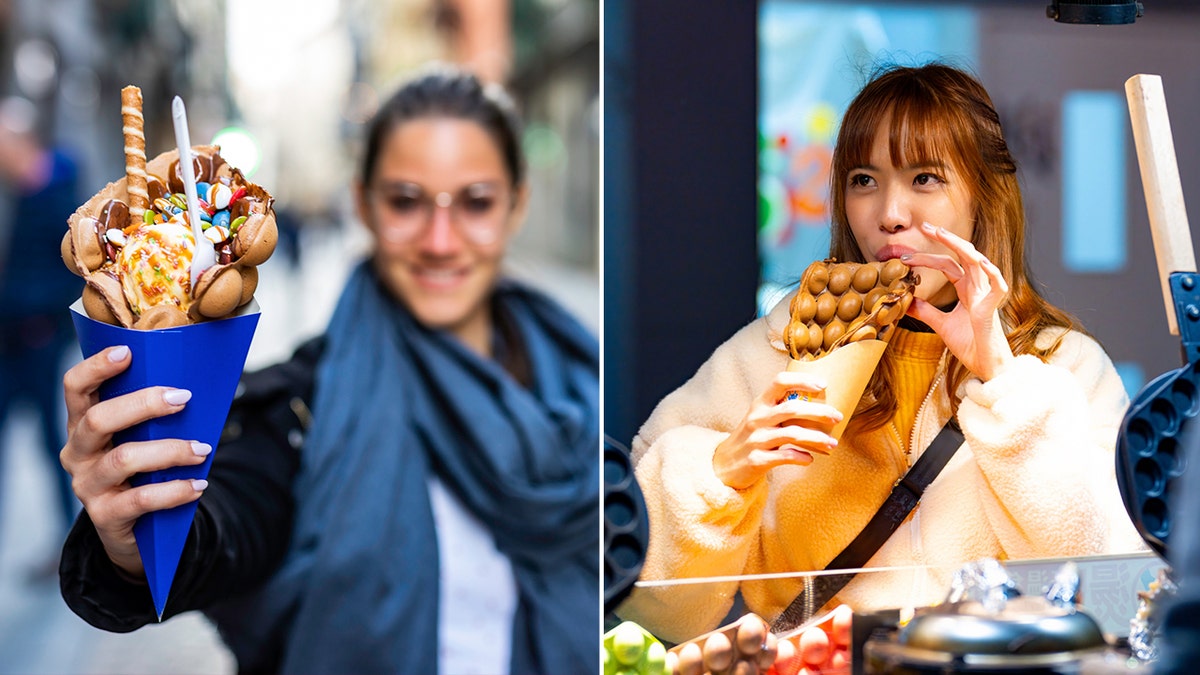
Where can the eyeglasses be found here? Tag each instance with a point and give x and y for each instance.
(478, 211)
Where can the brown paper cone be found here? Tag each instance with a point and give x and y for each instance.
(846, 371)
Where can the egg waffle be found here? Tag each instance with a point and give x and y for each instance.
(841, 321)
(842, 303)
(132, 243)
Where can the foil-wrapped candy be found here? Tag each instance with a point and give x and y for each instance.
(986, 582)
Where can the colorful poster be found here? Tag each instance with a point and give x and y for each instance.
(813, 58)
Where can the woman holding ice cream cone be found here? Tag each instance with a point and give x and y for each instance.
(740, 478)
(415, 491)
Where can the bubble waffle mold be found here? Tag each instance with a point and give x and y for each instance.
(626, 525)
(630, 650)
(744, 647)
(1151, 452)
(1151, 445)
(840, 303)
(102, 227)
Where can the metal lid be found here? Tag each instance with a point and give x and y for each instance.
(1027, 625)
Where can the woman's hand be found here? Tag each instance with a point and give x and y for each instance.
(100, 472)
(972, 330)
(777, 430)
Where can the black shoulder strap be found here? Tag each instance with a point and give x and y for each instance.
(907, 491)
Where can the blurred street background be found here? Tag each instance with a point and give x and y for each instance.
(285, 88)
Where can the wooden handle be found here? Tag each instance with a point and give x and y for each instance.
(1160, 181)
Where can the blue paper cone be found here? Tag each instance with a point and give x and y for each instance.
(207, 360)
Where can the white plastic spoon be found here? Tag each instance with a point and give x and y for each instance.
(204, 256)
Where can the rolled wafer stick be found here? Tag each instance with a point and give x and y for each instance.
(135, 153)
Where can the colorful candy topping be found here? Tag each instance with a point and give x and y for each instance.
(218, 200)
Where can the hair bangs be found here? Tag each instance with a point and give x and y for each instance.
(920, 133)
(858, 136)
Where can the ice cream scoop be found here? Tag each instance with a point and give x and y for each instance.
(155, 264)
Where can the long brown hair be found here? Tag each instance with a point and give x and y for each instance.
(940, 113)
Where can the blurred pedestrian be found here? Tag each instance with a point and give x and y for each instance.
(40, 185)
(414, 492)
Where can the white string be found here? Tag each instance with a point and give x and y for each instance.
(662, 583)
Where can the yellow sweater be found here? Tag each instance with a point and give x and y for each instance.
(916, 357)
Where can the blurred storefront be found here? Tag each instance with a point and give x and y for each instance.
(289, 89)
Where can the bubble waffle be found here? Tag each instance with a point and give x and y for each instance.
(744, 647)
(138, 267)
(841, 303)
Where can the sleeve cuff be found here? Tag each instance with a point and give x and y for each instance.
(692, 487)
(95, 589)
(1019, 404)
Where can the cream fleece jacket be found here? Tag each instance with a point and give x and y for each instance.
(1035, 478)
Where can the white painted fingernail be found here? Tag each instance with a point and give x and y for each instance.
(928, 227)
(201, 449)
(118, 354)
(177, 396)
(199, 485)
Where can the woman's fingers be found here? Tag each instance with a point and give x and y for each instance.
(969, 260)
(966, 260)
(787, 382)
(777, 430)
(94, 428)
(940, 262)
(121, 508)
(927, 314)
(963, 249)
(806, 438)
(786, 454)
(84, 378)
(800, 409)
(793, 421)
(994, 275)
(121, 463)
(985, 284)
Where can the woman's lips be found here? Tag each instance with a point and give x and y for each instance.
(892, 251)
(440, 277)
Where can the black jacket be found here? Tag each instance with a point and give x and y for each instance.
(243, 521)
